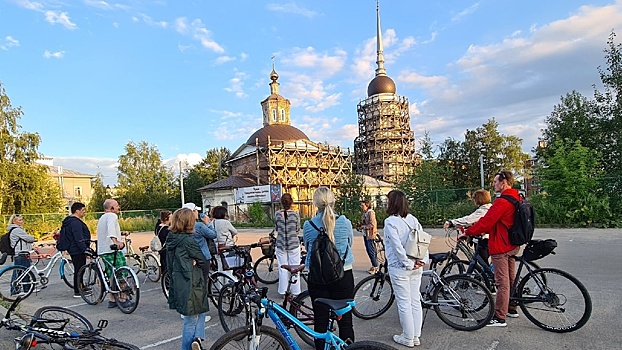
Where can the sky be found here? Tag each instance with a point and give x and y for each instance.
(188, 76)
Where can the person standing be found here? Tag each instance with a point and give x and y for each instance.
(187, 292)
(74, 238)
(162, 232)
(339, 231)
(482, 199)
(499, 217)
(224, 230)
(369, 227)
(405, 272)
(21, 242)
(287, 225)
(109, 233)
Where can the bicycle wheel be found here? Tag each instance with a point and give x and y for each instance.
(216, 282)
(458, 267)
(554, 300)
(302, 309)
(60, 318)
(165, 282)
(267, 269)
(91, 284)
(16, 281)
(133, 261)
(373, 296)
(232, 310)
(100, 343)
(369, 345)
(66, 272)
(240, 338)
(153, 267)
(463, 303)
(126, 282)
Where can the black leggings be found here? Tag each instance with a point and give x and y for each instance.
(78, 261)
(342, 289)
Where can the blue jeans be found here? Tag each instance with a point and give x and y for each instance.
(370, 247)
(194, 326)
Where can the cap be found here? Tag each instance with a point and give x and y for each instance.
(191, 206)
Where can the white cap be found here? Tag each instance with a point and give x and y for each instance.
(191, 206)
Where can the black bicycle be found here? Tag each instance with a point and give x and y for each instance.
(266, 268)
(60, 328)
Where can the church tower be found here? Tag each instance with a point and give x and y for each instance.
(275, 107)
(385, 147)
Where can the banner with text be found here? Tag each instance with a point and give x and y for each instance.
(263, 194)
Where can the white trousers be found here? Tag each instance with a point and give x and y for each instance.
(288, 257)
(406, 286)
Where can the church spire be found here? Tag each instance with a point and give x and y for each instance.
(274, 85)
(380, 57)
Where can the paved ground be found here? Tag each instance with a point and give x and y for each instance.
(591, 255)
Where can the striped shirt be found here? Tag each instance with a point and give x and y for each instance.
(287, 232)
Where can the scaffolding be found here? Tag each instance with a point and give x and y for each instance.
(385, 147)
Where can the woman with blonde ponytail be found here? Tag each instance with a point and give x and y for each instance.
(339, 231)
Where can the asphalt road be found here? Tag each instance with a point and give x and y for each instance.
(591, 255)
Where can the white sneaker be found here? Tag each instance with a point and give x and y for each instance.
(208, 318)
(402, 340)
(496, 323)
(416, 341)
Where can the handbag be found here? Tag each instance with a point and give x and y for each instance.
(417, 242)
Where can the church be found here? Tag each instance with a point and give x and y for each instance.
(281, 156)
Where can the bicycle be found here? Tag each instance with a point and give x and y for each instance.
(55, 325)
(42, 251)
(146, 262)
(234, 313)
(460, 301)
(267, 267)
(16, 280)
(544, 295)
(475, 266)
(122, 283)
(256, 335)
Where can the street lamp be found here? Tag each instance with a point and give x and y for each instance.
(481, 169)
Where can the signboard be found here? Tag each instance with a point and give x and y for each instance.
(263, 194)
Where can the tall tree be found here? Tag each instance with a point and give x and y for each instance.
(144, 181)
(24, 185)
(351, 192)
(211, 169)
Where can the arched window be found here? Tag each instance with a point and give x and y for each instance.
(282, 115)
(274, 115)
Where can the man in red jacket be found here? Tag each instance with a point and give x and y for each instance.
(496, 222)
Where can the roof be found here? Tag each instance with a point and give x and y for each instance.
(231, 182)
(380, 84)
(53, 170)
(277, 132)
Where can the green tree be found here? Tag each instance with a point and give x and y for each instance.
(571, 180)
(96, 204)
(211, 169)
(25, 186)
(350, 193)
(144, 181)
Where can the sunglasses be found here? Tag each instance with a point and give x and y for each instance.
(19, 216)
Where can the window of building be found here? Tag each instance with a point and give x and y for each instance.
(274, 115)
(282, 115)
(77, 191)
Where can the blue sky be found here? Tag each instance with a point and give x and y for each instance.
(188, 76)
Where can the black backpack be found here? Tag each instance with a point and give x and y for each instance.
(325, 265)
(5, 243)
(524, 221)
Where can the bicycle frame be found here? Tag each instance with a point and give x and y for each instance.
(99, 262)
(276, 313)
(536, 278)
(429, 288)
(46, 271)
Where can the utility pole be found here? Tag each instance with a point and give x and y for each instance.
(181, 183)
(481, 169)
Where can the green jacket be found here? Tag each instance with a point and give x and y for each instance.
(187, 291)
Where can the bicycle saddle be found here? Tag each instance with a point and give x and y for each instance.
(438, 257)
(337, 307)
(293, 268)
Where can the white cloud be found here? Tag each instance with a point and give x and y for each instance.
(187, 161)
(229, 126)
(324, 64)
(91, 165)
(100, 4)
(364, 64)
(291, 8)
(224, 59)
(150, 21)
(236, 84)
(466, 12)
(243, 56)
(57, 54)
(8, 43)
(328, 129)
(197, 30)
(420, 81)
(30, 5)
(310, 93)
(62, 18)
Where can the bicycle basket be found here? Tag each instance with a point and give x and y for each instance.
(231, 260)
(267, 247)
(538, 249)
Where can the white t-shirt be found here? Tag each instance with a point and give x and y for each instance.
(107, 227)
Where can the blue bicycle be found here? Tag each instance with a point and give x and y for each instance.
(256, 336)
